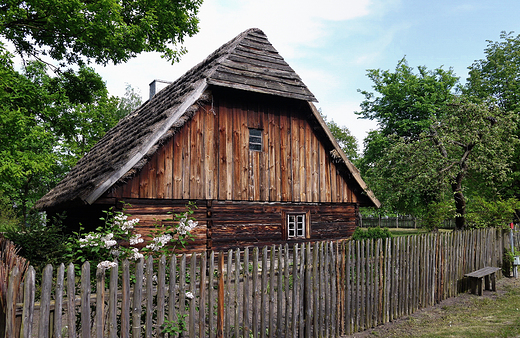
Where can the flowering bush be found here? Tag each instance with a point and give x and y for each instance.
(118, 239)
(178, 233)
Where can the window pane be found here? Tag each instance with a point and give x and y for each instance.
(255, 139)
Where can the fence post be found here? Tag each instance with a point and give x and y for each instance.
(11, 303)
(220, 315)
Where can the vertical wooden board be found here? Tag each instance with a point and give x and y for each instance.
(177, 148)
(246, 295)
(285, 156)
(244, 152)
(308, 157)
(168, 169)
(314, 167)
(254, 170)
(295, 155)
(196, 162)
(274, 166)
(100, 302)
(322, 167)
(225, 146)
(186, 159)
(210, 140)
(227, 316)
(280, 293)
(264, 155)
(143, 181)
(151, 191)
(302, 158)
(240, 154)
(333, 183)
(160, 174)
(328, 168)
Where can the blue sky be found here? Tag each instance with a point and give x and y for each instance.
(331, 43)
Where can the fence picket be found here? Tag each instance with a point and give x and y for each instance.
(100, 302)
(125, 300)
(137, 297)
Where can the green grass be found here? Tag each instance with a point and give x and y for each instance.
(469, 316)
(409, 231)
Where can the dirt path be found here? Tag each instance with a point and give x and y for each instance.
(435, 315)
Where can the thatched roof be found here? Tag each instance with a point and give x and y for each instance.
(248, 62)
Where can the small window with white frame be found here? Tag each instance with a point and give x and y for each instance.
(296, 225)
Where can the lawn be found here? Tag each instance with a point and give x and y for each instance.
(495, 314)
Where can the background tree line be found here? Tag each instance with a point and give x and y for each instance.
(445, 149)
(56, 107)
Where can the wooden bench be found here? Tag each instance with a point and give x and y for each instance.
(475, 277)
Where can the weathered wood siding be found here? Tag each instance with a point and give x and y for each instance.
(241, 224)
(209, 157)
(232, 224)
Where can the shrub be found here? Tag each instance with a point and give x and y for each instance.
(371, 233)
(40, 244)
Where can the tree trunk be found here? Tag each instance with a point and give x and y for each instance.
(460, 203)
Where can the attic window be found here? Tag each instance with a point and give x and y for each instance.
(255, 139)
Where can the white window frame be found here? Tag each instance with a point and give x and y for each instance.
(296, 225)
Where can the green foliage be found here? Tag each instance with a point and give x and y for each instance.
(174, 328)
(406, 100)
(496, 76)
(8, 219)
(346, 140)
(41, 244)
(496, 213)
(102, 31)
(371, 233)
(46, 124)
(495, 79)
(433, 147)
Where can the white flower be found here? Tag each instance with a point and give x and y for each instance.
(136, 239)
(89, 240)
(189, 295)
(106, 264)
(136, 254)
(159, 242)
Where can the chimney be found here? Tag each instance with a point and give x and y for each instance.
(156, 86)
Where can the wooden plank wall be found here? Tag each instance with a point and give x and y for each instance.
(209, 157)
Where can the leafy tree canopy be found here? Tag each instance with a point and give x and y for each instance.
(102, 31)
(346, 140)
(406, 101)
(433, 148)
(46, 126)
(498, 75)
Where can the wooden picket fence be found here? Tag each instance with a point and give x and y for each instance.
(325, 289)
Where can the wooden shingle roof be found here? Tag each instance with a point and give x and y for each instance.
(248, 62)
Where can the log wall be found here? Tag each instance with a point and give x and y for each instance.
(227, 224)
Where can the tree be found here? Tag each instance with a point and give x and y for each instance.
(431, 143)
(346, 140)
(101, 31)
(496, 79)
(46, 124)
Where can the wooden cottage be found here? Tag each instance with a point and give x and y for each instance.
(239, 135)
